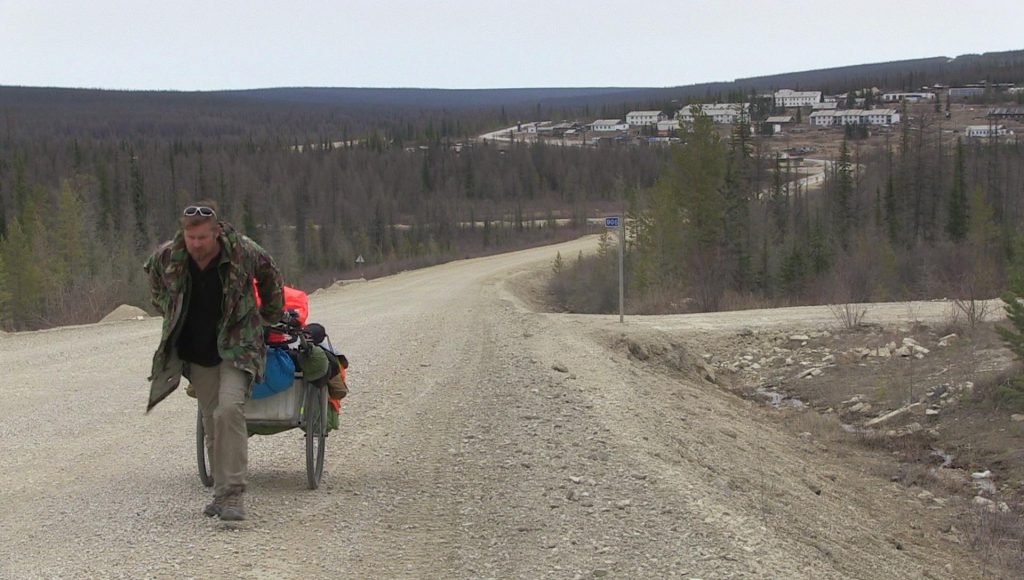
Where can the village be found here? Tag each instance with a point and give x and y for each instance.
(797, 121)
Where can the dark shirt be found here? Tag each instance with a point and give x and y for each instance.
(197, 342)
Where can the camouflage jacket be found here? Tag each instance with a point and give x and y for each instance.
(240, 332)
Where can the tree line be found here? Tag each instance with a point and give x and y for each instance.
(77, 217)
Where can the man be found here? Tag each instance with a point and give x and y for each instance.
(202, 283)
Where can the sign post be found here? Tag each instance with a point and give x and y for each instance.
(615, 222)
(360, 260)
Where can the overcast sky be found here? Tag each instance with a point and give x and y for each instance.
(211, 44)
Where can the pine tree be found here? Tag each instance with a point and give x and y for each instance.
(842, 209)
(958, 217)
(778, 203)
(25, 283)
(139, 205)
(5, 294)
(68, 239)
(1013, 303)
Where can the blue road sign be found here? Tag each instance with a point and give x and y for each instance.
(611, 222)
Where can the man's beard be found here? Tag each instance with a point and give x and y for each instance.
(205, 256)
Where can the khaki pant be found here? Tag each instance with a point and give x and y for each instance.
(221, 391)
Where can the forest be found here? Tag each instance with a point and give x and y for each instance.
(91, 181)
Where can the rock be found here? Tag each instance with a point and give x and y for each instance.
(982, 474)
(816, 372)
(903, 351)
(985, 503)
(560, 367)
(909, 342)
(746, 331)
(623, 504)
(891, 415)
(831, 358)
(920, 350)
(638, 350)
(799, 337)
(914, 428)
(806, 374)
(789, 362)
(125, 312)
(1016, 417)
(706, 372)
(945, 340)
(858, 407)
(931, 412)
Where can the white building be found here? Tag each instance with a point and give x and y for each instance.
(538, 127)
(987, 131)
(609, 125)
(855, 117)
(789, 98)
(880, 117)
(638, 118)
(966, 92)
(825, 106)
(723, 113)
(668, 126)
(909, 97)
(778, 121)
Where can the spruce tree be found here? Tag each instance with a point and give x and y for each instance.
(1013, 303)
(842, 199)
(958, 218)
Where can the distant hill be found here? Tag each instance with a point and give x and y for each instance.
(306, 111)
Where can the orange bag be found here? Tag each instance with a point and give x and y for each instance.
(294, 299)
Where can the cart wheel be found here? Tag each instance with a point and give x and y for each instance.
(205, 474)
(316, 433)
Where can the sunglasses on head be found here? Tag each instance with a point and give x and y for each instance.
(202, 210)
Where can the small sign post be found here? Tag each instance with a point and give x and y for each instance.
(360, 260)
(615, 222)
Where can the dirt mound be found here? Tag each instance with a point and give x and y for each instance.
(338, 284)
(125, 312)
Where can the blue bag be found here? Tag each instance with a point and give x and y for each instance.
(278, 376)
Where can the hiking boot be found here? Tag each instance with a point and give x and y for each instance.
(232, 508)
(215, 507)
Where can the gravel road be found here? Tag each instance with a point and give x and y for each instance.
(481, 440)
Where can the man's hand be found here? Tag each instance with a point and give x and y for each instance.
(291, 318)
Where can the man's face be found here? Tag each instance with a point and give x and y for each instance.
(201, 241)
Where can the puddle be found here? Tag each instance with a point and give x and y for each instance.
(778, 400)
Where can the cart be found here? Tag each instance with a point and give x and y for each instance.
(303, 406)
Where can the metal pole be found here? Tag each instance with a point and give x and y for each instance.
(622, 252)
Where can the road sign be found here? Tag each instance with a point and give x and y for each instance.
(611, 222)
(360, 259)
